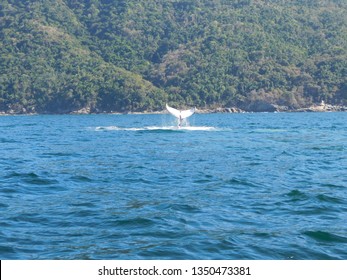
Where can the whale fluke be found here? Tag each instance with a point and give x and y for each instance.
(180, 114)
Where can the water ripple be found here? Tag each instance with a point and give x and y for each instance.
(246, 186)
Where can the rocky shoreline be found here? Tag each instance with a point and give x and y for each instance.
(253, 108)
(272, 108)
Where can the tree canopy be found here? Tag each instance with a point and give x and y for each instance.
(59, 56)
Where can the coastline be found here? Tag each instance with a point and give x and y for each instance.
(270, 108)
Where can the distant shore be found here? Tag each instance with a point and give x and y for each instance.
(268, 108)
(272, 108)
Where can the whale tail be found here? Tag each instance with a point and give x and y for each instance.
(180, 114)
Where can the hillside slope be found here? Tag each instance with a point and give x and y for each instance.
(135, 55)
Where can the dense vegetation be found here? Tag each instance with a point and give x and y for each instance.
(135, 55)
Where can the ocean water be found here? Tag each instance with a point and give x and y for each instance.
(226, 186)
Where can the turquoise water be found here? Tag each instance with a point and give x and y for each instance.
(229, 186)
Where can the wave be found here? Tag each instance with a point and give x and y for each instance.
(324, 236)
(156, 128)
(30, 178)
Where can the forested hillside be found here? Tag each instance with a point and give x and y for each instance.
(59, 56)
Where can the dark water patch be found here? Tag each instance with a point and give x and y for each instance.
(81, 179)
(254, 163)
(9, 189)
(264, 235)
(84, 139)
(6, 251)
(333, 186)
(326, 237)
(185, 208)
(240, 182)
(33, 218)
(6, 140)
(60, 154)
(329, 148)
(40, 181)
(28, 124)
(136, 204)
(134, 223)
(135, 166)
(30, 178)
(3, 205)
(297, 195)
(4, 224)
(330, 199)
(54, 189)
(137, 181)
(83, 204)
(13, 161)
(286, 154)
(204, 178)
(13, 175)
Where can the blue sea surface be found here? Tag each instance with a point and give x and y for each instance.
(227, 186)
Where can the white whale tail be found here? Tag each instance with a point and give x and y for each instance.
(180, 114)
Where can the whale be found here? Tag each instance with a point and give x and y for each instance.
(180, 114)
